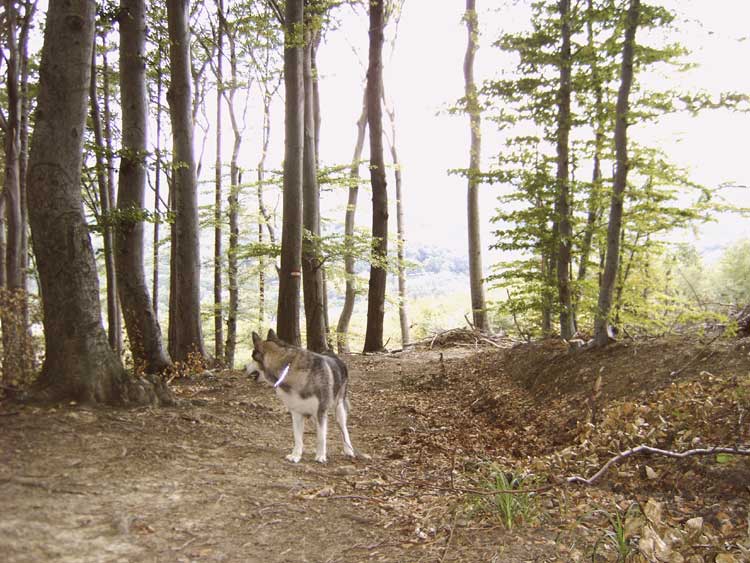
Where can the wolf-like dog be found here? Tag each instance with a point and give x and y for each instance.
(309, 384)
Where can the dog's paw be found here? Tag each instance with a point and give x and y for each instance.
(293, 458)
(321, 459)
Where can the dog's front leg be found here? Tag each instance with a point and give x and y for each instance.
(298, 426)
(322, 423)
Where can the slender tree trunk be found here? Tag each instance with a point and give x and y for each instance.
(14, 331)
(378, 273)
(264, 219)
(79, 364)
(144, 333)
(291, 236)
(594, 203)
(562, 204)
(233, 211)
(157, 184)
(109, 154)
(312, 274)
(218, 305)
(342, 329)
(403, 317)
(185, 332)
(113, 307)
(29, 13)
(602, 331)
(476, 281)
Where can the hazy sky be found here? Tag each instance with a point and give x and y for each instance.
(425, 76)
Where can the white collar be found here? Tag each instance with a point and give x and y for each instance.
(281, 378)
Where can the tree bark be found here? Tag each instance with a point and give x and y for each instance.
(79, 364)
(218, 258)
(287, 318)
(378, 273)
(562, 203)
(157, 183)
(14, 296)
(403, 316)
(185, 332)
(144, 333)
(114, 328)
(606, 291)
(233, 205)
(342, 329)
(312, 273)
(476, 275)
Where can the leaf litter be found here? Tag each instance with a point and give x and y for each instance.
(454, 431)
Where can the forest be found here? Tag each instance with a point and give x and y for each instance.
(544, 364)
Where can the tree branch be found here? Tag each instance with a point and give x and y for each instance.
(649, 450)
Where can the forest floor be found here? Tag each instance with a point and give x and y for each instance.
(207, 480)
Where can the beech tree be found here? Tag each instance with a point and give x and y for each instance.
(144, 333)
(476, 274)
(602, 327)
(287, 317)
(185, 332)
(79, 364)
(378, 273)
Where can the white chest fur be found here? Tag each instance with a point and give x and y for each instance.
(295, 403)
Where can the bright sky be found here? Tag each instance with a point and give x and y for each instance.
(425, 76)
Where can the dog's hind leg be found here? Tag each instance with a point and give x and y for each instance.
(341, 414)
(322, 423)
(298, 426)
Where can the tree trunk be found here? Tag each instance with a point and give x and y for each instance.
(594, 202)
(233, 211)
(157, 184)
(291, 235)
(79, 364)
(562, 203)
(218, 258)
(378, 273)
(29, 12)
(264, 219)
(403, 317)
(185, 332)
(14, 331)
(109, 154)
(312, 273)
(606, 291)
(144, 333)
(113, 303)
(476, 281)
(342, 329)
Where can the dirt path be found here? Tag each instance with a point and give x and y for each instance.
(207, 481)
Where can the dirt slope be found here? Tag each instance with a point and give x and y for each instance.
(206, 481)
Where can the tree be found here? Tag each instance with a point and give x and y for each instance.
(287, 317)
(378, 273)
(144, 333)
(562, 202)
(312, 265)
(602, 331)
(114, 326)
(476, 283)
(342, 328)
(218, 306)
(13, 305)
(79, 364)
(185, 333)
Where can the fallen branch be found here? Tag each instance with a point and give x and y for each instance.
(649, 450)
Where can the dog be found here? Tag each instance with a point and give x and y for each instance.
(309, 385)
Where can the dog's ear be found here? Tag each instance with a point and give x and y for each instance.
(272, 335)
(257, 340)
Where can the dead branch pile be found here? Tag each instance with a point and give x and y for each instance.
(464, 337)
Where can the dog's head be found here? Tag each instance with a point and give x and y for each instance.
(264, 353)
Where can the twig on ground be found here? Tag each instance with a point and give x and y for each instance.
(649, 450)
(450, 537)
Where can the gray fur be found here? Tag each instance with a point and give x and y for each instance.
(313, 385)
